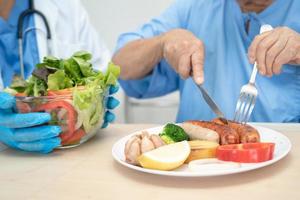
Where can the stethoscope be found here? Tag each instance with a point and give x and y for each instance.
(22, 34)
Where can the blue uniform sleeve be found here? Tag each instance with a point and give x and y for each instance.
(163, 79)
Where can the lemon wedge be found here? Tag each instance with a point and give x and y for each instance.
(167, 157)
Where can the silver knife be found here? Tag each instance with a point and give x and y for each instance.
(212, 104)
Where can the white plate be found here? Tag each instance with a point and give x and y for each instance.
(282, 148)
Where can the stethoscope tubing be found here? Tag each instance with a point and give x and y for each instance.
(20, 33)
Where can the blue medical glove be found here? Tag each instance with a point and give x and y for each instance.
(111, 104)
(21, 131)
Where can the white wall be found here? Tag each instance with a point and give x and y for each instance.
(113, 17)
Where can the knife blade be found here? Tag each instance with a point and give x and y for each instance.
(210, 102)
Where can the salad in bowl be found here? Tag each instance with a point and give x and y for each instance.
(71, 91)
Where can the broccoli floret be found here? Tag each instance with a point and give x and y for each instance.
(167, 139)
(173, 133)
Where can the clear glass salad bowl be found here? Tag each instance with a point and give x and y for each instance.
(71, 90)
(78, 123)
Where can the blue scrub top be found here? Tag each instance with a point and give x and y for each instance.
(221, 26)
(9, 54)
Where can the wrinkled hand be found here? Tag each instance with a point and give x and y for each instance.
(21, 131)
(185, 53)
(275, 48)
(111, 104)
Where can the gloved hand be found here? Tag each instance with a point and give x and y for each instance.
(20, 131)
(111, 104)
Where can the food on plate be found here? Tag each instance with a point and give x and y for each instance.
(70, 90)
(212, 164)
(146, 144)
(167, 157)
(157, 141)
(247, 133)
(141, 143)
(173, 133)
(211, 144)
(227, 134)
(132, 150)
(202, 149)
(197, 132)
(246, 153)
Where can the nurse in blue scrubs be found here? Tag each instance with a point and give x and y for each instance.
(217, 42)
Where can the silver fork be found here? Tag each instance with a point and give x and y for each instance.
(247, 99)
(248, 95)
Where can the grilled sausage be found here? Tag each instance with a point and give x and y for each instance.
(227, 134)
(196, 132)
(247, 133)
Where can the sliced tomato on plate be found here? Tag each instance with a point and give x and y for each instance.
(70, 116)
(246, 153)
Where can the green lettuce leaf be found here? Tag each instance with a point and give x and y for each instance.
(83, 55)
(88, 102)
(73, 70)
(85, 67)
(59, 80)
(51, 62)
(112, 74)
(19, 84)
(36, 87)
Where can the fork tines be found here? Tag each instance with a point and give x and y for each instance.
(245, 106)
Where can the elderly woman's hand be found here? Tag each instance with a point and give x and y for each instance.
(275, 48)
(185, 53)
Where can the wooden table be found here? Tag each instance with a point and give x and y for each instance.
(89, 172)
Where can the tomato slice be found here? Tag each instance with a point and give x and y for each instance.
(60, 92)
(20, 94)
(71, 116)
(23, 107)
(246, 153)
(75, 137)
